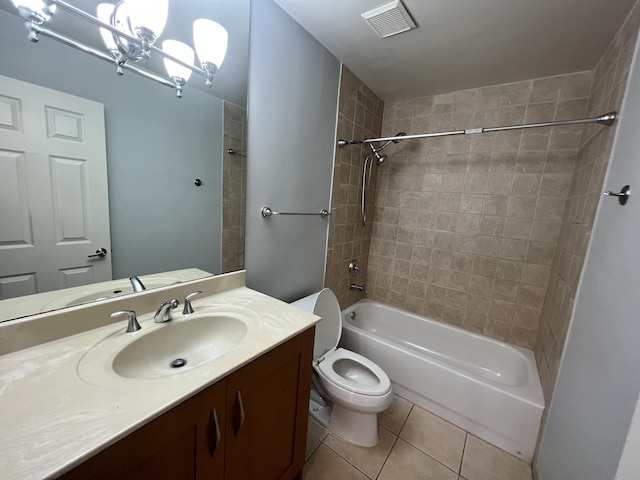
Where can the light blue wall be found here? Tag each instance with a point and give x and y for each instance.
(156, 146)
(293, 97)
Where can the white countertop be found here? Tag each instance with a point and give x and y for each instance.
(52, 418)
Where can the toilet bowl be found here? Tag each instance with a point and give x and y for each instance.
(349, 389)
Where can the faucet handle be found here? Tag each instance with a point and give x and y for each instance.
(133, 325)
(187, 303)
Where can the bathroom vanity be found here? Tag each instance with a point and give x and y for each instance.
(75, 405)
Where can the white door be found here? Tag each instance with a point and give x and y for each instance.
(54, 209)
(599, 379)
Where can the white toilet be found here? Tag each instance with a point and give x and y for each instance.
(355, 387)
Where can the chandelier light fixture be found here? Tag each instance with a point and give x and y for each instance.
(129, 31)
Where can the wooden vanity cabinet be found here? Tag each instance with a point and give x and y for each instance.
(249, 425)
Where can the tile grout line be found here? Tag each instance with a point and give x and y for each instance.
(406, 419)
(395, 441)
(426, 453)
(313, 452)
(346, 459)
(464, 448)
(388, 455)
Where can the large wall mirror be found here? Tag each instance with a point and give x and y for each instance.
(175, 167)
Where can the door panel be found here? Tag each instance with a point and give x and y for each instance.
(14, 212)
(53, 189)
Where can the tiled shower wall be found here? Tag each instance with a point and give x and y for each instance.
(609, 81)
(359, 116)
(234, 180)
(465, 227)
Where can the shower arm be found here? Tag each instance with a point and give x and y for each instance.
(607, 119)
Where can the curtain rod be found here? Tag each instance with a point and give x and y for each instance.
(606, 119)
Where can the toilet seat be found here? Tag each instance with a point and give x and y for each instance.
(360, 374)
(356, 389)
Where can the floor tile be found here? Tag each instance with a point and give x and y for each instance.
(317, 430)
(312, 444)
(325, 464)
(393, 418)
(435, 436)
(483, 461)
(367, 460)
(408, 463)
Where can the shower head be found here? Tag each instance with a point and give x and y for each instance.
(376, 151)
(379, 158)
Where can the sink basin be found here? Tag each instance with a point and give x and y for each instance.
(179, 345)
(160, 350)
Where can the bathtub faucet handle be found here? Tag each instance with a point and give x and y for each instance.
(354, 267)
(355, 286)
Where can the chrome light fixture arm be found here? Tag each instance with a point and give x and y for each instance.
(97, 53)
(134, 45)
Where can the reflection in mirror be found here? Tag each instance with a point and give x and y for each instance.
(156, 147)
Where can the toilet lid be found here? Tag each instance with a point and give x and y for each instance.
(328, 331)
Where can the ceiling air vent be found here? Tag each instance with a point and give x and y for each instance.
(389, 19)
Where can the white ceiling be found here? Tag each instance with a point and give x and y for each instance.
(463, 44)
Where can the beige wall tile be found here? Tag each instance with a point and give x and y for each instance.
(587, 168)
(360, 113)
(462, 219)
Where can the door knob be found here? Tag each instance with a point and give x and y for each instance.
(623, 196)
(101, 252)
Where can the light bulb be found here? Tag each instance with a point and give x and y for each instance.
(37, 11)
(182, 52)
(147, 15)
(104, 13)
(210, 39)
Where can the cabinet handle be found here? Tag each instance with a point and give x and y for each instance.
(240, 420)
(215, 427)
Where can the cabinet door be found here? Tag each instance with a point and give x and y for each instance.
(211, 432)
(264, 424)
(176, 446)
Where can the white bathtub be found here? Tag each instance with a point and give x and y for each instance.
(484, 386)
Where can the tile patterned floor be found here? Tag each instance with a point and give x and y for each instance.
(413, 444)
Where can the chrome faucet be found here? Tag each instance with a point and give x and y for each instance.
(355, 286)
(137, 285)
(163, 314)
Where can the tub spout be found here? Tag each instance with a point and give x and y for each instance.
(355, 286)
